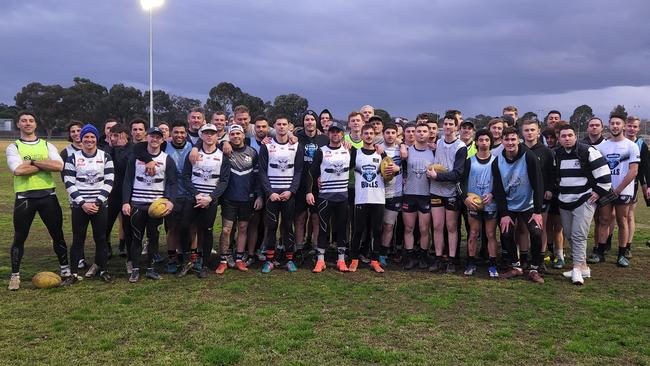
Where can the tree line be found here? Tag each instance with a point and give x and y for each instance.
(91, 102)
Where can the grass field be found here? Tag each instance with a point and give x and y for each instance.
(399, 317)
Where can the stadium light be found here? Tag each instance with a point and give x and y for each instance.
(149, 5)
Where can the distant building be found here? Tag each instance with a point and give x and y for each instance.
(5, 124)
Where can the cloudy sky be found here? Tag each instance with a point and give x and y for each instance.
(404, 56)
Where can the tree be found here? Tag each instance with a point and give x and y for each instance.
(479, 121)
(84, 101)
(385, 116)
(162, 105)
(46, 101)
(580, 117)
(619, 110)
(292, 105)
(181, 107)
(223, 97)
(125, 103)
(8, 111)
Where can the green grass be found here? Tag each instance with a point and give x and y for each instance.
(399, 318)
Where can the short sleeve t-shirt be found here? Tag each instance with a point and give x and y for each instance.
(619, 156)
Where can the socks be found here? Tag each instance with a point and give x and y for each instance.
(601, 249)
(621, 251)
(171, 255)
(492, 261)
(223, 258)
(270, 253)
(240, 256)
(341, 253)
(193, 255)
(321, 254)
(559, 254)
(65, 271)
(629, 246)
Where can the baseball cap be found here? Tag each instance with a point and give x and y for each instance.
(375, 118)
(155, 130)
(208, 127)
(337, 125)
(467, 124)
(236, 128)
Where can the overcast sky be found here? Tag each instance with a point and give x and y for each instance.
(404, 56)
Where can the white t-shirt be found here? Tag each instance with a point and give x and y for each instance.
(619, 156)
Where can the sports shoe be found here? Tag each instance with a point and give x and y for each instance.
(382, 260)
(105, 277)
(185, 269)
(221, 268)
(81, 264)
(559, 264)
(341, 266)
(198, 264)
(203, 273)
(513, 272)
(92, 270)
(364, 259)
(596, 258)
(354, 264)
(376, 266)
(411, 262)
(172, 267)
(576, 277)
(396, 258)
(70, 280)
(267, 267)
(469, 270)
(320, 266)
(153, 275)
(241, 265)
(260, 255)
(623, 262)
(628, 253)
(493, 272)
(647, 243)
(585, 274)
(230, 259)
(451, 267)
(534, 276)
(214, 251)
(14, 282)
(436, 266)
(291, 267)
(135, 275)
(157, 258)
(129, 267)
(249, 260)
(424, 261)
(123, 252)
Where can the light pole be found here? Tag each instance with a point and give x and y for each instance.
(148, 5)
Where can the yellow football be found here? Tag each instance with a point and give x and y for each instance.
(385, 163)
(478, 201)
(438, 168)
(46, 280)
(157, 208)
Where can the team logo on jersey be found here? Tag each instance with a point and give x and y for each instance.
(148, 180)
(369, 172)
(513, 183)
(613, 160)
(92, 176)
(418, 168)
(337, 168)
(282, 164)
(204, 174)
(310, 151)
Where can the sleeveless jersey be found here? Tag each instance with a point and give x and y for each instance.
(479, 180)
(334, 174)
(281, 164)
(368, 182)
(39, 180)
(147, 188)
(446, 155)
(394, 187)
(417, 182)
(517, 186)
(207, 171)
(179, 155)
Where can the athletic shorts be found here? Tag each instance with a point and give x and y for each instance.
(449, 203)
(393, 204)
(554, 207)
(415, 203)
(482, 215)
(236, 211)
(624, 199)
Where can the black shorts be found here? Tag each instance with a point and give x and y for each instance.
(301, 202)
(449, 203)
(623, 199)
(636, 191)
(237, 211)
(554, 207)
(415, 203)
(393, 204)
(482, 215)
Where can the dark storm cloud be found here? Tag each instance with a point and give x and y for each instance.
(404, 56)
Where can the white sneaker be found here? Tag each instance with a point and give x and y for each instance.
(585, 274)
(92, 271)
(576, 277)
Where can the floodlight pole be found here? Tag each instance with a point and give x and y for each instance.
(150, 67)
